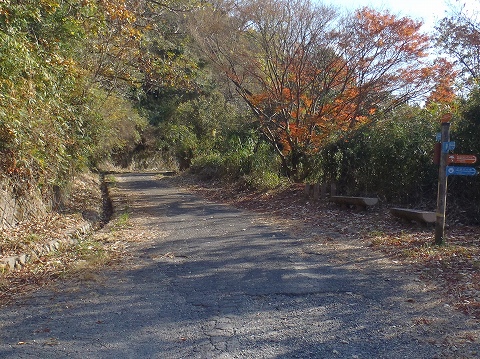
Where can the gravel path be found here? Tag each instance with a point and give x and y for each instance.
(205, 280)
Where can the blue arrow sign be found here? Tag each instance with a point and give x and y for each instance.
(461, 171)
(448, 146)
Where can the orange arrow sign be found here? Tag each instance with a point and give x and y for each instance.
(462, 159)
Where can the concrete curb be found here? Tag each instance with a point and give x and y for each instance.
(72, 237)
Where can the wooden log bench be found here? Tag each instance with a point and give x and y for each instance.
(416, 215)
(359, 202)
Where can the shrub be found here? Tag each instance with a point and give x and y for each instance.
(390, 158)
(244, 158)
(209, 166)
(464, 191)
(265, 169)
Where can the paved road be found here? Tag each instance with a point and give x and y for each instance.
(216, 282)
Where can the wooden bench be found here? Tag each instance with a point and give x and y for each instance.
(414, 215)
(362, 202)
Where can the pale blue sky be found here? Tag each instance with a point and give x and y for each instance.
(427, 10)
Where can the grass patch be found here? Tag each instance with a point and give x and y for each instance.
(111, 180)
(123, 220)
(17, 244)
(265, 180)
(91, 252)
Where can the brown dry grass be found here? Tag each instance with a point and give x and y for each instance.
(83, 205)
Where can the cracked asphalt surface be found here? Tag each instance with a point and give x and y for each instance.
(211, 281)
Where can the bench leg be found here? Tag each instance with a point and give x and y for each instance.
(323, 191)
(316, 191)
(307, 190)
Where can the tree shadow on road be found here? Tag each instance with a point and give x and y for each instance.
(221, 284)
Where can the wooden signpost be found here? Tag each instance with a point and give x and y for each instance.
(444, 159)
(442, 185)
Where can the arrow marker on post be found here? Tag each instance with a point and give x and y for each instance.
(448, 146)
(461, 171)
(462, 159)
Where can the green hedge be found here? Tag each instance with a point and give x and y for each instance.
(391, 159)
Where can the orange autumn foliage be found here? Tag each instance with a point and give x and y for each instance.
(309, 76)
(443, 91)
